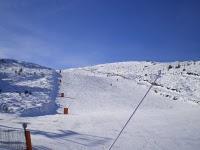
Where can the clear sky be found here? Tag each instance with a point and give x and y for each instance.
(73, 33)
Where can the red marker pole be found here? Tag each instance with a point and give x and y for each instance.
(27, 135)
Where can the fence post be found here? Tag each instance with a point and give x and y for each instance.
(28, 140)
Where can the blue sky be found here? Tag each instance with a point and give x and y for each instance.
(73, 33)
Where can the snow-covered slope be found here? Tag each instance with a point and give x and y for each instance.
(179, 80)
(101, 98)
(27, 89)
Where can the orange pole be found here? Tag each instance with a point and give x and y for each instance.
(66, 110)
(28, 140)
(62, 95)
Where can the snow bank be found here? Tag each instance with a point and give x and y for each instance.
(27, 89)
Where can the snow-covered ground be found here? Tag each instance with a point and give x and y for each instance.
(101, 99)
(27, 89)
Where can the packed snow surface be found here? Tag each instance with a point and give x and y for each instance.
(101, 98)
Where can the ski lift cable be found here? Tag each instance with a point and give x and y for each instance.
(157, 76)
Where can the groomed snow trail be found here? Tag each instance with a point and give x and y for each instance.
(105, 103)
